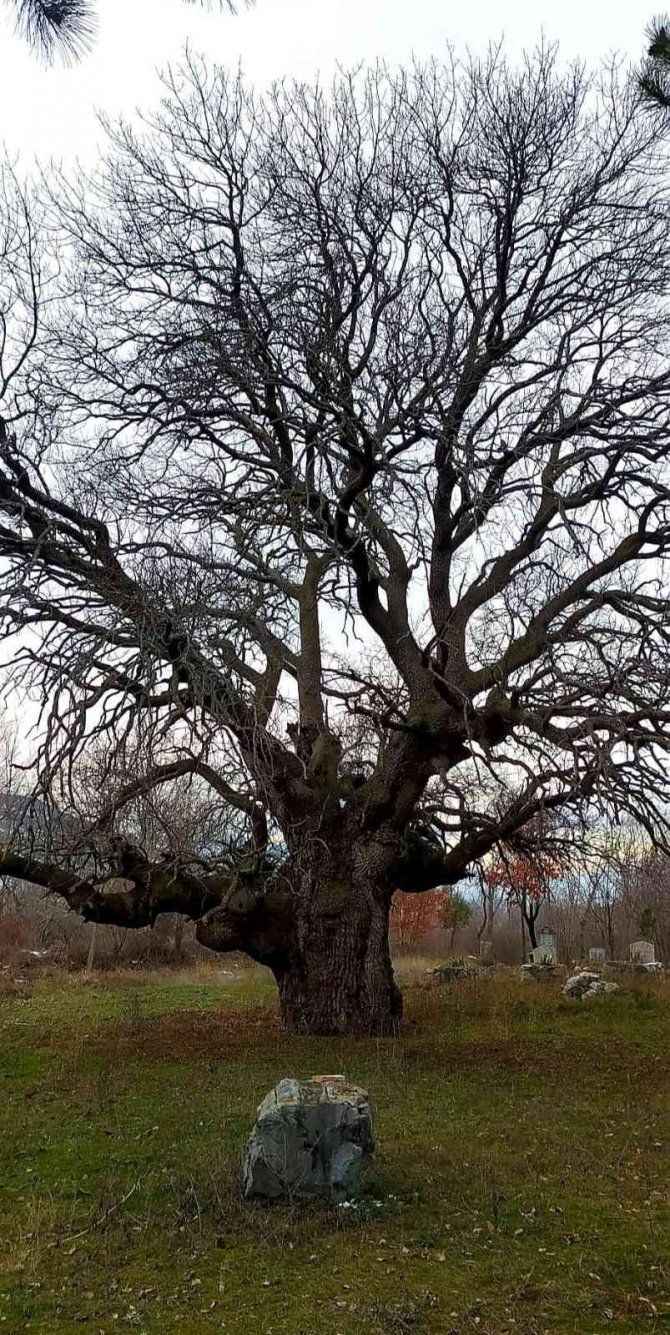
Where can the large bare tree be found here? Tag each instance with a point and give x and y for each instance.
(338, 479)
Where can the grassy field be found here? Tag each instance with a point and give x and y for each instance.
(521, 1182)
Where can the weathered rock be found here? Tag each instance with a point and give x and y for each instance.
(580, 983)
(586, 984)
(541, 973)
(626, 966)
(600, 989)
(313, 1139)
(448, 973)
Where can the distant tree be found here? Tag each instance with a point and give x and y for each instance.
(526, 882)
(414, 916)
(604, 889)
(647, 921)
(492, 898)
(63, 27)
(645, 897)
(454, 913)
(654, 77)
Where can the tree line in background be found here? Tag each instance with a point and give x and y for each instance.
(619, 893)
(616, 891)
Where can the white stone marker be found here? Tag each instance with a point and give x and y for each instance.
(642, 952)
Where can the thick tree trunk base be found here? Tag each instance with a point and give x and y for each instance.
(327, 943)
(319, 1013)
(339, 981)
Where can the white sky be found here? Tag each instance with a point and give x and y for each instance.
(51, 112)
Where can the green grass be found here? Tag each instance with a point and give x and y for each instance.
(521, 1180)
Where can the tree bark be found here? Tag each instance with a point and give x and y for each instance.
(530, 923)
(322, 927)
(529, 915)
(90, 959)
(338, 976)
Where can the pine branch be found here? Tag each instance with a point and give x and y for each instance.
(654, 86)
(657, 34)
(67, 28)
(51, 27)
(654, 77)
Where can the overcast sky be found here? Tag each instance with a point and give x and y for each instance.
(52, 112)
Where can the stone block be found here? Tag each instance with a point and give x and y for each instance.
(642, 952)
(313, 1139)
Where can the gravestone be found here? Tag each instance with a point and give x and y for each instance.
(642, 952)
(547, 937)
(312, 1139)
(545, 952)
(596, 955)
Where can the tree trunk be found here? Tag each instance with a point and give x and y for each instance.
(326, 940)
(90, 959)
(530, 918)
(581, 938)
(338, 976)
(610, 932)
